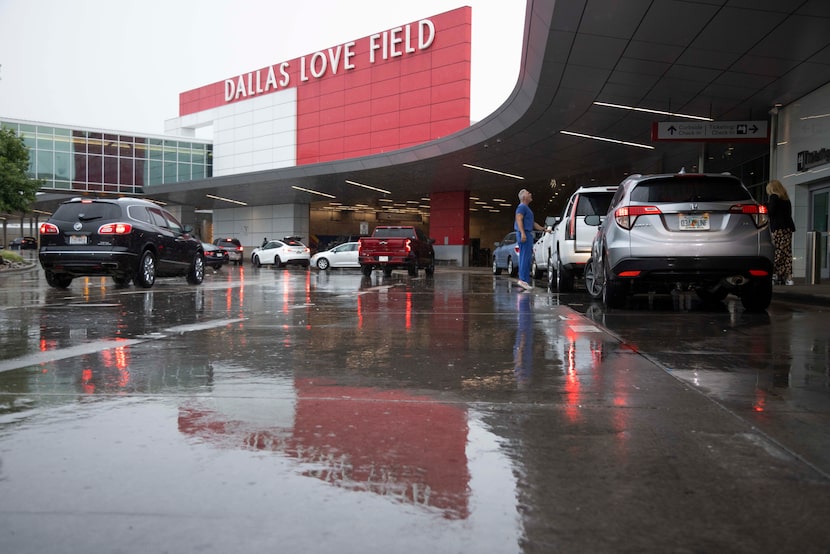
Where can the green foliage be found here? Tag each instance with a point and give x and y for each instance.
(17, 190)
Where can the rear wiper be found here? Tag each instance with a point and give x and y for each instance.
(82, 217)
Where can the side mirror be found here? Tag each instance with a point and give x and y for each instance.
(496, 244)
(593, 220)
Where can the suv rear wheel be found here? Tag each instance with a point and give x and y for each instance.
(591, 282)
(613, 291)
(756, 295)
(146, 274)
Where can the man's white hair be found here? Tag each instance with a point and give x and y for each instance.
(522, 194)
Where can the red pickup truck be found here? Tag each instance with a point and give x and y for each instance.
(392, 247)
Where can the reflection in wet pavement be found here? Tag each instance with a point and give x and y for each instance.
(324, 411)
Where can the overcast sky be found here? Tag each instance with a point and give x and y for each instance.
(121, 65)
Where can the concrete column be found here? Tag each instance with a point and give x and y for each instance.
(449, 225)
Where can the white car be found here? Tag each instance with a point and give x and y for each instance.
(342, 255)
(281, 253)
(568, 247)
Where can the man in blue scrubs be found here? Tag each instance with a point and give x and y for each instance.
(524, 227)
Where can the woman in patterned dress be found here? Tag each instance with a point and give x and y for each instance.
(782, 227)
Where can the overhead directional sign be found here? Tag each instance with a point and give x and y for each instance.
(710, 131)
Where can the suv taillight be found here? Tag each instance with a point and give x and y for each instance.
(48, 229)
(625, 216)
(408, 246)
(115, 229)
(758, 212)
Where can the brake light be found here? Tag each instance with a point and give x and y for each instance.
(48, 229)
(625, 216)
(408, 246)
(115, 229)
(758, 212)
(571, 232)
(239, 249)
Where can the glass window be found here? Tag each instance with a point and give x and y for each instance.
(63, 143)
(154, 172)
(111, 170)
(95, 143)
(157, 217)
(197, 172)
(45, 165)
(95, 169)
(63, 166)
(170, 172)
(44, 143)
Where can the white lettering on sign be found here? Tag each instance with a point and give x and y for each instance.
(395, 43)
(252, 83)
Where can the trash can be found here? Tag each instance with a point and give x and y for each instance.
(813, 257)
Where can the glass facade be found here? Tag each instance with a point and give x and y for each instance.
(85, 160)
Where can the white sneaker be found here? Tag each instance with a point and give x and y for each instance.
(790, 282)
(525, 286)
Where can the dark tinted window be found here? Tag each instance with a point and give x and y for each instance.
(157, 217)
(593, 204)
(75, 211)
(689, 189)
(394, 233)
(139, 213)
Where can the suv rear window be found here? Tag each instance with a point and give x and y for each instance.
(75, 211)
(690, 190)
(593, 204)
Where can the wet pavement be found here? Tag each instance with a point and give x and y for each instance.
(294, 411)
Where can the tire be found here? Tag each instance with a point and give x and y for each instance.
(551, 275)
(387, 271)
(496, 268)
(278, 263)
(145, 276)
(591, 283)
(430, 269)
(712, 297)
(613, 291)
(511, 269)
(366, 270)
(58, 280)
(535, 272)
(323, 264)
(196, 274)
(413, 269)
(756, 295)
(256, 262)
(564, 278)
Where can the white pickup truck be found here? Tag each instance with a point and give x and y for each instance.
(567, 247)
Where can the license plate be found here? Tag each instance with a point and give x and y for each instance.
(383, 258)
(77, 239)
(696, 222)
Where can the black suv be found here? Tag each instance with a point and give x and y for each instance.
(125, 238)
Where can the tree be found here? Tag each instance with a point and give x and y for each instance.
(17, 190)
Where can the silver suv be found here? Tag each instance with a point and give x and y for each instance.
(699, 232)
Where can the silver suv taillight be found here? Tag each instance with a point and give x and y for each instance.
(625, 216)
(758, 212)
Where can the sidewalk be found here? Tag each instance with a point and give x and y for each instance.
(804, 292)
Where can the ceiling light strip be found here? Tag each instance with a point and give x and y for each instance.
(604, 139)
(313, 191)
(658, 112)
(368, 187)
(493, 171)
(226, 200)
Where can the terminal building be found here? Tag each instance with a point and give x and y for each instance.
(377, 130)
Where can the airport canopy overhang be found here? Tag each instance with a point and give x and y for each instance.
(728, 60)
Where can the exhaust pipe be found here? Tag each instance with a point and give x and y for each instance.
(737, 280)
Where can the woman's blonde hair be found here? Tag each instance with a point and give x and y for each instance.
(775, 187)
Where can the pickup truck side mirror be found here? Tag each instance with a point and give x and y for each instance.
(431, 240)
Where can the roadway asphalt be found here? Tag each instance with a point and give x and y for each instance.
(306, 411)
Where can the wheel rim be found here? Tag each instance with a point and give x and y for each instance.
(322, 263)
(148, 268)
(495, 265)
(510, 266)
(198, 268)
